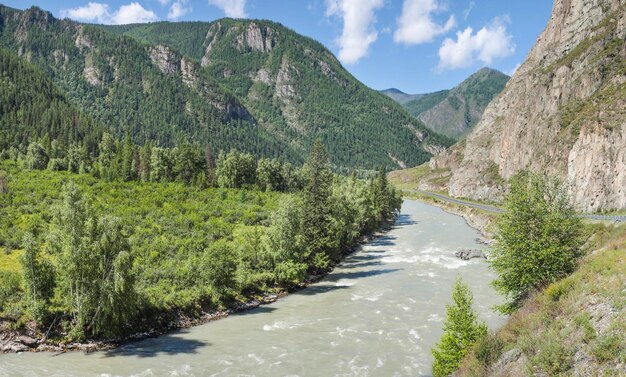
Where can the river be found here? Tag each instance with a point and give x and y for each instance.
(378, 314)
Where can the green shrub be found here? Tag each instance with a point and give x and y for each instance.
(10, 288)
(539, 239)
(608, 348)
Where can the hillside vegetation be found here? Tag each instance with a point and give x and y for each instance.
(576, 326)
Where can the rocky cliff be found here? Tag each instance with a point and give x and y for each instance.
(563, 112)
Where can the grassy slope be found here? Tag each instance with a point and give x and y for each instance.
(576, 326)
(421, 176)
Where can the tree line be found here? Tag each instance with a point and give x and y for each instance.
(191, 164)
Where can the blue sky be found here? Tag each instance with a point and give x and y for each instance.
(416, 46)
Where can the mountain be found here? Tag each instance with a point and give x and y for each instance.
(247, 84)
(399, 96)
(31, 106)
(563, 112)
(454, 112)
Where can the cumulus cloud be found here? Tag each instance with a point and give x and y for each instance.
(358, 33)
(416, 24)
(487, 44)
(99, 12)
(231, 8)
(91, 12)
(177, 10)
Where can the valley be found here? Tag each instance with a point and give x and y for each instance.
(216, 188)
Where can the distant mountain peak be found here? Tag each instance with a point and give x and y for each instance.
(455, 111)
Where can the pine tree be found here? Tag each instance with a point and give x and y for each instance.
(317, 208)
(127, 173)
(461, 331)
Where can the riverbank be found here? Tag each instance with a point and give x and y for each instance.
(480, 220)
(29, 339)
(377, 313)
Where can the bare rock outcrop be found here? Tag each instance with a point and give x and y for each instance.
(256, 38)
(563, 112)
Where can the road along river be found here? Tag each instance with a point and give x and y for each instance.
(378, 314)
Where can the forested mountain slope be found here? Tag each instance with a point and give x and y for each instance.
(563, 112)
(456, 111)
(251, 85)
(32, 107)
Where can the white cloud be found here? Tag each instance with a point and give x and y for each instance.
(99, 12)
(416, 24)
(177, 10)
(358, 34)
(488, 43)
(164, 2)
(468, 10)
(232, 8)
(133, 13)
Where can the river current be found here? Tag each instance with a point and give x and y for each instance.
(377, 314)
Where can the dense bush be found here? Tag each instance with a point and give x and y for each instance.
(539, 238)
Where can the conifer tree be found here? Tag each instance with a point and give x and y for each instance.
(317, 208)
(461, 331)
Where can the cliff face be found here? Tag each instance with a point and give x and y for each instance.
(563, 112)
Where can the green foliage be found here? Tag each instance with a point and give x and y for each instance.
(38, 273)
(488, 349)
(236, 170)
(95, 262)
(461, 331)
(181, 247)
(609, 347)
(36, 157)
(10, 289)
(539, 238)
